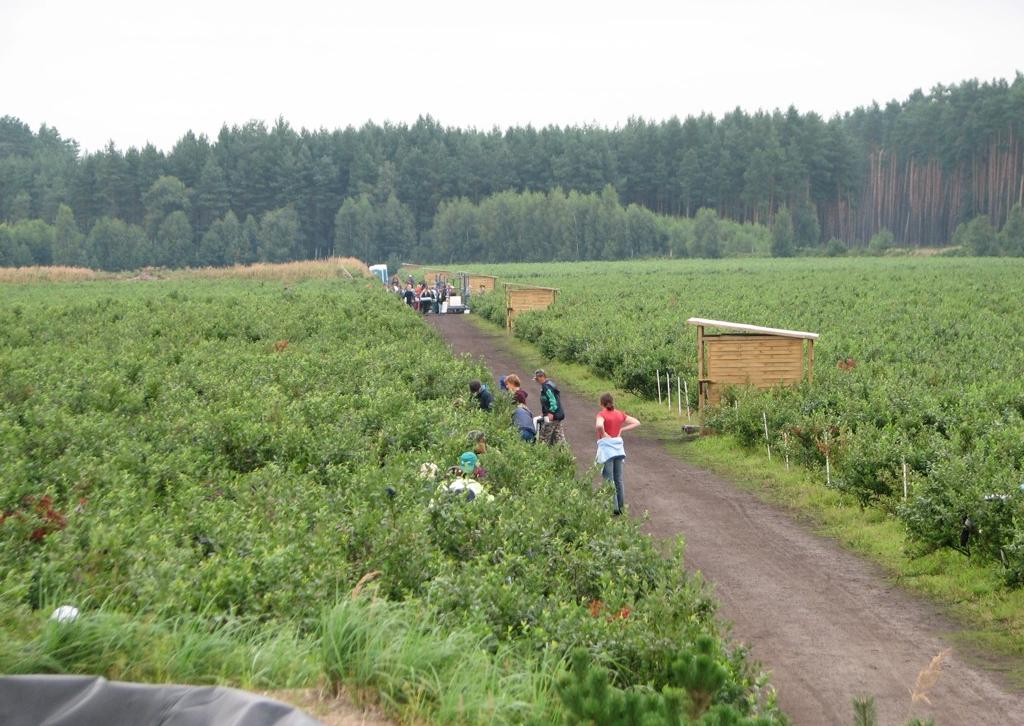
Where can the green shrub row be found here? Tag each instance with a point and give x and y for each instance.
(918, 364)
(246, 451)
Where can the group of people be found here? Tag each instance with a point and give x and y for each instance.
(422, 297)
(547, 427)
(465, 478)
(609, 423)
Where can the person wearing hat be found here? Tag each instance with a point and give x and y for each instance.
(465, 483)
(552, 411)
(482, 395)
(467, 462)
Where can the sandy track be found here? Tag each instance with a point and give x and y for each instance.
(826, 623)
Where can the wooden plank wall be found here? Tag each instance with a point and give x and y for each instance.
(761, 361)
(521, 299)
(487, 282)
(431, 276)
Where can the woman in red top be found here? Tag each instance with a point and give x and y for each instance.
(610, 424)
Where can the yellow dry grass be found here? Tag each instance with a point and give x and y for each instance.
(330, 267)
(47, 274)
(927, 678)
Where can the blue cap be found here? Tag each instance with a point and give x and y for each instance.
(468, 461)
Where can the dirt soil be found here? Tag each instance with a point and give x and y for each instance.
(827, 624)
(339, 710)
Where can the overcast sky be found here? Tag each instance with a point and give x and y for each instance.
(136, 71)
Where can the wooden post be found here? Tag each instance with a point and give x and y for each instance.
(658, 374)
(700, 371)
(668, 388)
(686, 389)
(810, 362)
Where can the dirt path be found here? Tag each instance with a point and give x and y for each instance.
(826, 623)
(339, 710)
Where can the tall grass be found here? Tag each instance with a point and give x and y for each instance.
(180, 650)
(19, 275)
(419, 671)
(425, 672)
(327, 268)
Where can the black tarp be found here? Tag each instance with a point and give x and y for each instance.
(92, 701)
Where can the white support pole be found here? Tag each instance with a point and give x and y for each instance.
(686, 389)
(679, 398)
(785, 446)
(668, 385)
(767, 441)
(904, 480)
(828, 465)
(658, 374)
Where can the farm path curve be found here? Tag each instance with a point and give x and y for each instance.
(826, 623)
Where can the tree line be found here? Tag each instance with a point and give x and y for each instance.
(918, 168)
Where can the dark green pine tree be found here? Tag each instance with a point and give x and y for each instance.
(355, 227)
(68, 247)
(279, 236)
(1011, 237)
(783, 243)
(211, 198)
(806, 228)
(237, 249)
(173, 241)
(250, 236)
(114, 245)
(706, 234)
(167, 194)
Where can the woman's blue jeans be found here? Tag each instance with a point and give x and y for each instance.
(613, 472)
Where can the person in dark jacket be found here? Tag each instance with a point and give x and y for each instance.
(551, 409)
(481, 394)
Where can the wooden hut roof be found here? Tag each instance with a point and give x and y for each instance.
(756, 329)
(524, 286)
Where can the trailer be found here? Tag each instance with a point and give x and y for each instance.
(458, 301)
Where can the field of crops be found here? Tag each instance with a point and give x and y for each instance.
(198, 458)
(931, 349)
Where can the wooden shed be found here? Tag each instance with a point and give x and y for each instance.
(482, 283)
(520, 298)
(749, 355)
(432, 275)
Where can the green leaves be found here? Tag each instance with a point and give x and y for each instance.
(917, 365)
(227, 451)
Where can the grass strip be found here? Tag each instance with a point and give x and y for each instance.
(393, 654)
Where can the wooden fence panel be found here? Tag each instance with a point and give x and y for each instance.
(761, 361)
(482, 283)
(521, 299)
